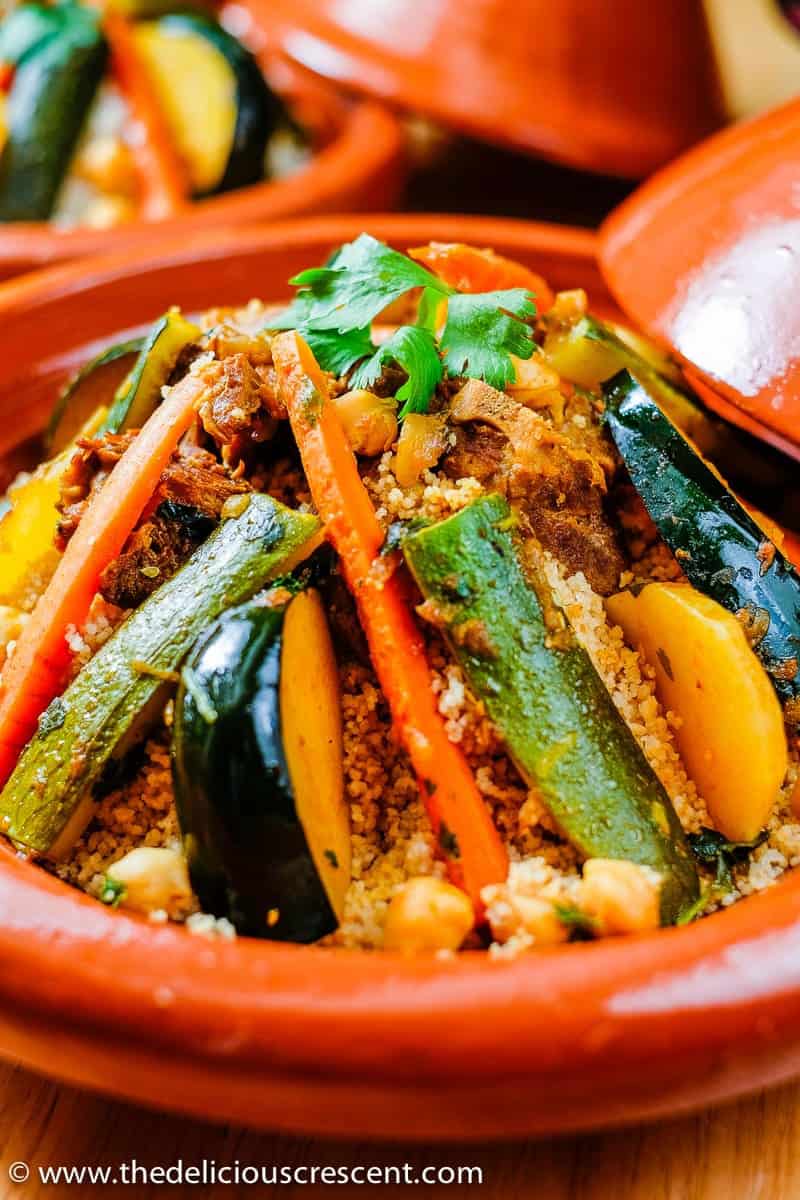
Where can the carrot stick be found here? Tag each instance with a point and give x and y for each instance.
(469, 269)
(396, 644)
(36, 671)
(165, 188)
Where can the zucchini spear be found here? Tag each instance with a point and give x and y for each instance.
(48, 799)
(544, 696)
(721, 548)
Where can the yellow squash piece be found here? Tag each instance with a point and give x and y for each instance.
(732, 737)
(422, 442)
(28, 556)
(197, 90)
(311, 728)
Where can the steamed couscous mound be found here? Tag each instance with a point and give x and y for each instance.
(276, 754)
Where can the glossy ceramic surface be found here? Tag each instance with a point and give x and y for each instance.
(615, 86)
(338, 1042)
(706, 256)
(357, 165)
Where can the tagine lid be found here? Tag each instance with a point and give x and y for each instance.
(705, 257)
(558, 78)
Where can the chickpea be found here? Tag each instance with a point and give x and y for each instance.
(107, 163)
(107, 211)
(569, 307)
(532, 376)
(622, 896)
(427, 914)
(369, 421)
(153, 877)
(539, 918)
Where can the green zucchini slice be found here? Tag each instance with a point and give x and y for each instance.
(257, 764)
(590, 352)
(544, 696)
(48, 800)
(721, 548)
(220, 107)
(54, 85)
(139, 394)
(94, 385)
(28, 25)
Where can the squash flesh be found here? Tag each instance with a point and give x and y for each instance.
(311, 729)
(731, 737)
(198, 93)
(28, 555)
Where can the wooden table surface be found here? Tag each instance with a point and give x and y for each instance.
(743, 1151)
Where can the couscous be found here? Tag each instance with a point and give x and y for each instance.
(408, 616)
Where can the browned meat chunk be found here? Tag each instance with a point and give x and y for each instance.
(184, 508)
(236, 410)
(192, 477)
(153, 553)
(557, 483)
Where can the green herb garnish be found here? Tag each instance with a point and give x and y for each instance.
(53, 716)
(112, 892)
(448, 842)
(483, 330)
(413, 349)
(577, 921)
(714, 850)
(336, 304)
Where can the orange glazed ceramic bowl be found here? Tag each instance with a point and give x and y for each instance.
(340, 1042)
(357, 163)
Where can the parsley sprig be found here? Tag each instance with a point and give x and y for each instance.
(336, 304)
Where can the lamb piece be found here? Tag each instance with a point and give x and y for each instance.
(236, 410)
(153, 553)
(559, 486)
(86, 473)
(182, 512)
(192, 477)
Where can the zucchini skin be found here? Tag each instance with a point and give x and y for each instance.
(760, 470)
(67, 418)
(80, 731)
(722, 550)
(54, 86)
(140, 393)
(553, 711)
(259, 110)
(245, 845)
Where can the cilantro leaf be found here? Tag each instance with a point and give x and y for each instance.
(414, 349)
(366, 276)
(337, 352)
(714, 850)
(483, 330)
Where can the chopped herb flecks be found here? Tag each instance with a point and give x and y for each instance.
(448, 842)
(53, 716)
(112, 892)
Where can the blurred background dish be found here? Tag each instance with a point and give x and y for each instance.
(112, 121)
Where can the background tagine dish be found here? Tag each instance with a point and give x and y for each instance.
(415, 615)
(105, 118)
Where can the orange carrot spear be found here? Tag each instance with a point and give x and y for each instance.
(36, 671)
(165, 188)
(454, 804)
